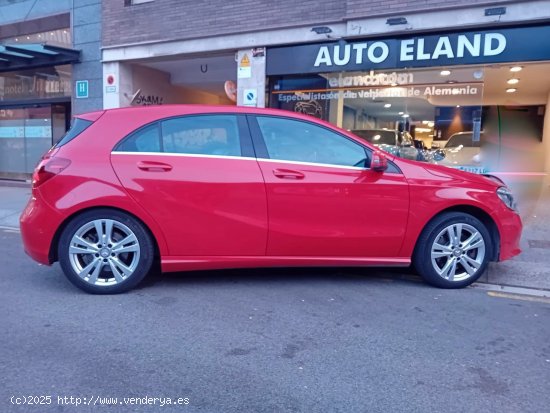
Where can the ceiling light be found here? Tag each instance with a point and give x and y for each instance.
(393, 21)
(511, 90)
(512, 81)
(445, 72)
(405, 115)
(516, 69)
(321, 29)
(400, 113)
(387, 105)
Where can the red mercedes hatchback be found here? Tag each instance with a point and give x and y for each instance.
(199, 187)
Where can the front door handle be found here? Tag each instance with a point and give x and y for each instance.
(288, 174)
(151, 166)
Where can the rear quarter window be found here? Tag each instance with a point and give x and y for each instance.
(77, 127)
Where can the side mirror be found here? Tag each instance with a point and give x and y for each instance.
(379, 162)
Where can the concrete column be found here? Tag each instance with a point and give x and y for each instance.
(546, 136)
(251, 81)
(86, 30)
(119, 93)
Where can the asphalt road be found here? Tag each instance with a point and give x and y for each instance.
(267, 341)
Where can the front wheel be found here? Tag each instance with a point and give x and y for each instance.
(453, 251)
(105, 251)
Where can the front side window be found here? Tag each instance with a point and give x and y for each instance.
(202, 135)
(294, 140)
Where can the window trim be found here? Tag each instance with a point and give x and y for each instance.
(245, 140)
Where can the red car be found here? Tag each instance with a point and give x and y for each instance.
(200, 187)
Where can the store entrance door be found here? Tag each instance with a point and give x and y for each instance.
(26, 133)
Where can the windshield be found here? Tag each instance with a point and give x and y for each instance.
(377, 137)
(464, 139)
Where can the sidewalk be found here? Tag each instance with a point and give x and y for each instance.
(13, 198)
(531, 269)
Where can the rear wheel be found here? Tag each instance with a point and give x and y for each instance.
(453, 250)
(105, 251)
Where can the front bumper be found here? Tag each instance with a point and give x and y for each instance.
(510, 228)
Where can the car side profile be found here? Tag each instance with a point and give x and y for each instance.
(213, 187)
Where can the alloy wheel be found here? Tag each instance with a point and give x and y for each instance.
(104, 252)
(458, 252)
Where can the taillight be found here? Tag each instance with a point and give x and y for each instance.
(48, 167)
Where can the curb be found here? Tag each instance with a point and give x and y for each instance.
(15, 184)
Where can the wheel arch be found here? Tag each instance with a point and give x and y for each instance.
(476, 212)
(53, 252)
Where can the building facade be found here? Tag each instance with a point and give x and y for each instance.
(47, 48)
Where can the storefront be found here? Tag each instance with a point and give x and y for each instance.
(480, 96)
(35, 98)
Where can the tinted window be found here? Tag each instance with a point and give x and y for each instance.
(293, 140)
(146, 139)
(377, 137)
(464, 139)
(204, 135)
(78, 126)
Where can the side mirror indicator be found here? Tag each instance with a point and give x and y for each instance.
(379, 162)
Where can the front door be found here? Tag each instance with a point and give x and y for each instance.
(322, 200)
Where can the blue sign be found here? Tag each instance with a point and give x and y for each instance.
(81, 89)
(498, 45)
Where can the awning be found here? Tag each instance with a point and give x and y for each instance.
(30, 56)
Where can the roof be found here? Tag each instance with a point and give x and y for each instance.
(29, 56)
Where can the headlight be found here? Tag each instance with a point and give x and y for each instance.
(506, 196)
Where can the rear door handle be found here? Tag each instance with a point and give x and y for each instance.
(151, 166)
(288, 174)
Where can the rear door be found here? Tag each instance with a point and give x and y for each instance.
(198, 177)
(322, 198)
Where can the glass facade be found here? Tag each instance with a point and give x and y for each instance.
(34, 108)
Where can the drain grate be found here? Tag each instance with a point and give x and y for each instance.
(538, 243)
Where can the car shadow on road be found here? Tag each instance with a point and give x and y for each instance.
(284, 275)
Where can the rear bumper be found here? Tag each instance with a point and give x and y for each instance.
(38, 223)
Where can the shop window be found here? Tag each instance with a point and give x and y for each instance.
(202, 135)
(292, 140)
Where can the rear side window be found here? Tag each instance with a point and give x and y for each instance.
(196, 135)
(202, 135)
(78, 126)
(146, 139)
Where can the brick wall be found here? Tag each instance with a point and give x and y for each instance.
(184, 19)
(362, 8)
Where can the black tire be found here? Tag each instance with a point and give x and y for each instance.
(137, 253)
(422, 257)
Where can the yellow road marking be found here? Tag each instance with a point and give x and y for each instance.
(519, 297)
